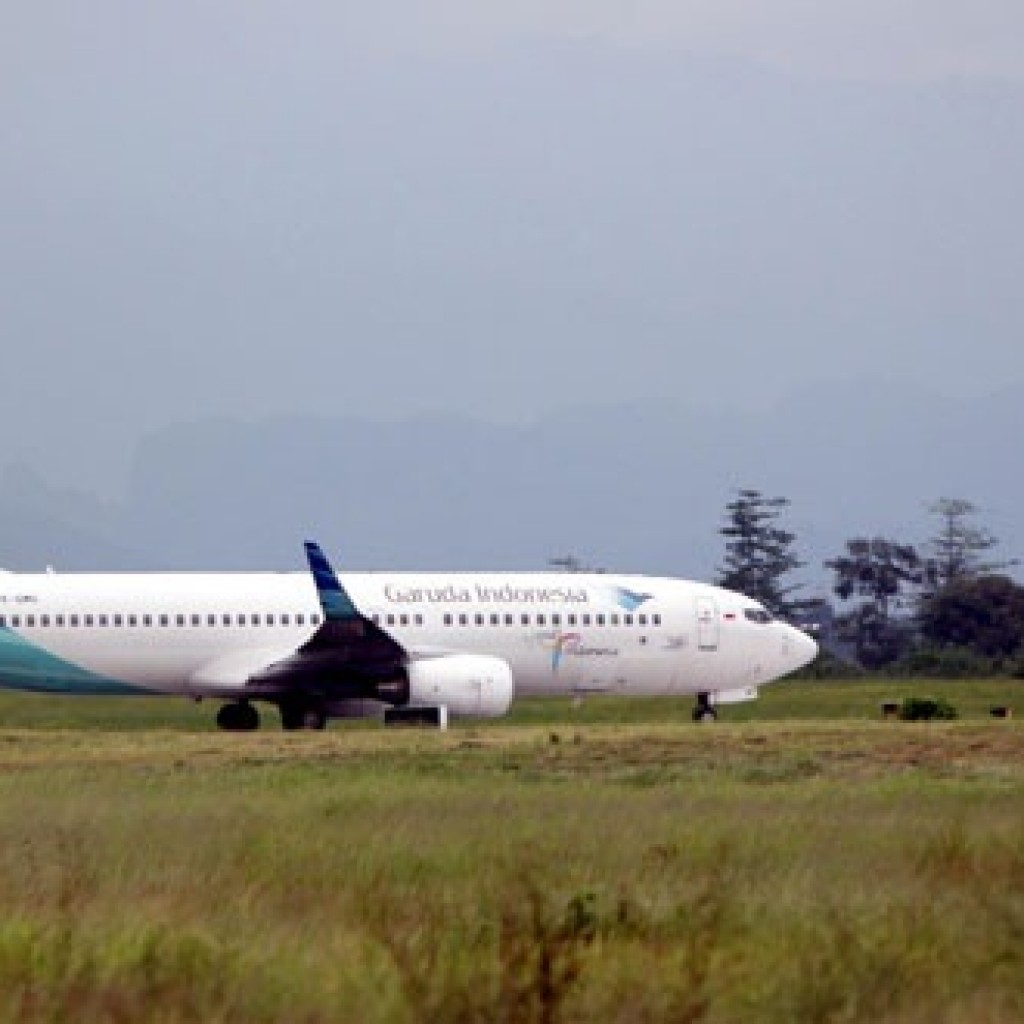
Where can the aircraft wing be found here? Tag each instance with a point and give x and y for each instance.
(348, 656)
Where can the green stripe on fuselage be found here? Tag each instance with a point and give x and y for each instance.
(27, 666)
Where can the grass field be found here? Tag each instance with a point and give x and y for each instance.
(802, 860)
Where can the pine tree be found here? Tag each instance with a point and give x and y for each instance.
(959, 545)
(759, 553)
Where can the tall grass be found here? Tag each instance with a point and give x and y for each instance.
(772, 871)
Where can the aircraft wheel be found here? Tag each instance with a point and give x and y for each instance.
(299, 716)
(250, 717)
(238, 717)
(314, 718)
(291, 717)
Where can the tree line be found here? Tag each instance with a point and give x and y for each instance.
(944, 606)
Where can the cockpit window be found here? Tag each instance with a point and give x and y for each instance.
(757, 615)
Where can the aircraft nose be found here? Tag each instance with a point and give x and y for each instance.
(801, 649)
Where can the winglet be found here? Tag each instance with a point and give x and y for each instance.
(334, 599)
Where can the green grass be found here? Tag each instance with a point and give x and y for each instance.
(786, 701)
(607, 862)
(789, 700)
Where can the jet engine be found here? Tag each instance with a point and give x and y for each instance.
(467, 684)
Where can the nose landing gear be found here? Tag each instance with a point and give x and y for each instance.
(704, 710)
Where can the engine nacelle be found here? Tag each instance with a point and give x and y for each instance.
(466, 684)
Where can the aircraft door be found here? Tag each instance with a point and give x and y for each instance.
(707, 624)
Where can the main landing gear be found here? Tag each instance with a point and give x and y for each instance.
(238, 717)
(241, 716)
(704, 710)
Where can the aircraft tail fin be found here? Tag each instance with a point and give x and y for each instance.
(334, 600)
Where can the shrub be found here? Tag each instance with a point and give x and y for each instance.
(926, 709)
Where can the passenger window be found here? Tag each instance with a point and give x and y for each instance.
(403, 620)
(586, 620)
(132, 620)
(73, 620)
(270, 619)
(571, 619)
(556, 620)
(211, 620)
(314, 620)
(656, 619)
(255, 620)
(44, 620)
(3, 621)
(15, 620)
(447, 619)
(164, 620)
(147, 620)
(495, 620)
(613, 620)
(240, 619)
(463, 620)
(300, 619)
(179, 620)
(627, 619)
(30, 620)
(88, 620)
(641, 620)
(524, 620)
(510, 620)
(419, 620)
(479, 619)
(285, 619)
(118, 620)
(599, 619)
(541, 620)
(59, 620)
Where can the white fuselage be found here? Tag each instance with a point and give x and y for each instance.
(205, 634)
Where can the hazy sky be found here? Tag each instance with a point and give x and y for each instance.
(250, 208)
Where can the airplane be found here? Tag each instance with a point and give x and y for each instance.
(408, 647)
